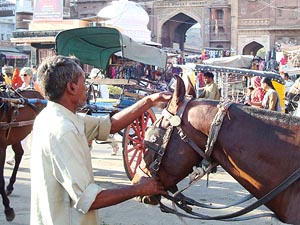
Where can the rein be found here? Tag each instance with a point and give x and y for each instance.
(209, 165)
(229, 217)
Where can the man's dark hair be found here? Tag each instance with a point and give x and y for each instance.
(208, 74)
(55, 72)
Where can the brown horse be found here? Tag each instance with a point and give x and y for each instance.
(15, 124)
(258, 148)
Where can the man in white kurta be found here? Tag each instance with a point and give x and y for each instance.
(67, 171)
(63, 191)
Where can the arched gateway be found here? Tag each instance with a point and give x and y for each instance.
(170, 20)
(252, 48)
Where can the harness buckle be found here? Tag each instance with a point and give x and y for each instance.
(154, 166)
(182, 135)
(161, 152)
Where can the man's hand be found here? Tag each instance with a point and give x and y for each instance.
(123, 118)
(151, 186)
(161, 97)
(146, 187)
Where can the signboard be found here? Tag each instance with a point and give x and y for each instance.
(48, 10)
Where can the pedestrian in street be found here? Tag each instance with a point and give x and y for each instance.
(7, 72)
(271, 98)
(210, 90)
(27, 79)
(63, 190)
(288, 83)
(16, 80)
(257, 95)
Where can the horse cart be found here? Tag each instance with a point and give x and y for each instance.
(96, 46)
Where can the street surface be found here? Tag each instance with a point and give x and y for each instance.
(109, 173)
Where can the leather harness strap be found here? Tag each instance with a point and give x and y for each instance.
(16, 124)
(216, 126)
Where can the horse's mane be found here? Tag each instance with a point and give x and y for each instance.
(269, 115)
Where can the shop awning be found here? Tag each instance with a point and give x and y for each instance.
(14, 55)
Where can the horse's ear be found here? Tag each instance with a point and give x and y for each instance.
(179, 92)
(190, 89)
(178, 95)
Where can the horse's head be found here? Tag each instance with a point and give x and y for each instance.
(168, 156)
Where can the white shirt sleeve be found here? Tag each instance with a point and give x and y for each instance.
(96, 127)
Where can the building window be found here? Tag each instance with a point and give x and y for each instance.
(220, 14)
(279, 12)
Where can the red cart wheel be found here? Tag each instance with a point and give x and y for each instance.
(133, 142)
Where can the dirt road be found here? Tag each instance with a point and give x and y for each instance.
(109, 173)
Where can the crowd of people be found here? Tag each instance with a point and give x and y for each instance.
(24, 79)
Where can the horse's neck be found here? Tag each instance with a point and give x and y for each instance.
(204, 115)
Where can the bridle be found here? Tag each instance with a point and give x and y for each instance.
(175, 124)
(160, 137)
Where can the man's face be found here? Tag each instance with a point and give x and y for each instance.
(207, 80)
(81, 91)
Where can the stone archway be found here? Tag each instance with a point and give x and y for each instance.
(174, 30)
(252, 48)
(174, 22)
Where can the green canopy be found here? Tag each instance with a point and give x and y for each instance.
(95, 45)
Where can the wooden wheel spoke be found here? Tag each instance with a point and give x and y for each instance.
(134, 139)
(133, 142)
(136, 129)
(132, 158)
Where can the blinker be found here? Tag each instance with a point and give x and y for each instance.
(175, 121)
